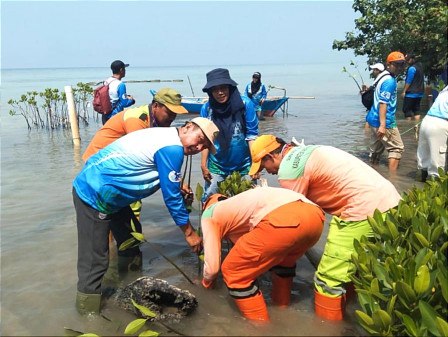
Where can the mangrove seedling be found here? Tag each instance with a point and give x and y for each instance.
(139, 238)
(344, 70)
(402, 281)
(234, 184)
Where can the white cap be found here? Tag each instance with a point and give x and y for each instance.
(378, 66)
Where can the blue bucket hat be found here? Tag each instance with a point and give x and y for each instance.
(217, 77)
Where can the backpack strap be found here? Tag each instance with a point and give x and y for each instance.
(376, 82)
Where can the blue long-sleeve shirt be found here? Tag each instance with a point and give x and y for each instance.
(237, 157)
(134, 167)
(256, 96)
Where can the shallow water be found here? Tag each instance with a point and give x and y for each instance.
(38, 231)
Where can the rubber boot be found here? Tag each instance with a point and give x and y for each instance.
(88, 303)
(253, 308)
(281, 290)
(328, 307)
(128, 264)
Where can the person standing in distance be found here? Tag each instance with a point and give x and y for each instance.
(117, 90)
(414, 88)
(384, 134)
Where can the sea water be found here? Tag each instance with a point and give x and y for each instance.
(38, 227)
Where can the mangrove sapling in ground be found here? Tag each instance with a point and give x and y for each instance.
(48, 109)
(402, 281)
(234, 184)
(139, 238)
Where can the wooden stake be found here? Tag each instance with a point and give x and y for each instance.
(72, 115)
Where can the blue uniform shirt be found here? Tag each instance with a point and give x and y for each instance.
(237, 157)
(134, 167)
(385, 92)
(257, 96)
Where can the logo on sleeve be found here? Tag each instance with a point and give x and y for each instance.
(385, 94)
(174, 176)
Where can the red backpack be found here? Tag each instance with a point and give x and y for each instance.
(101, 99)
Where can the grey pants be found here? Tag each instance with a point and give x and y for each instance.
(93, 242)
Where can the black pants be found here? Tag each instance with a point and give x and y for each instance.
(411, 106)
(93, 242)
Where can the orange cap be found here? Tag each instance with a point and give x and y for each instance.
(213, 199)
(395, 56)
(260, 148)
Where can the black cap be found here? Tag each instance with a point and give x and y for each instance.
(256, 74)
(117, 65)
(410, 56)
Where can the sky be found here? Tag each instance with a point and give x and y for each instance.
(59, 34)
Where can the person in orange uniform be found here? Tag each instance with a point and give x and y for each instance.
(345, 187)
(163, 110)
(271, 228)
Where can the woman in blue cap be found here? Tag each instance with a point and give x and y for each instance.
(235, 117)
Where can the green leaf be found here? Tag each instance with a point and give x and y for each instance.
(428, 317)
(374, 286)
(421, 239)
(382, 320)
(125, 245)
(410, 325)
(365, 321)
(442, 326)
(405, 293)
(144, 310)
(134, 326)
(443, 283)
(436, 234)
(139, 236)
(199, 191)
(405, 212)
(133, 226)
(390, 305)
(88, 335)
(201, 257)
(148, 333)
(421, 282)
(392, 229)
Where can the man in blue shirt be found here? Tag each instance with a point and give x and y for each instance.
(384, 134)
(414, 89)
(131, 168)
(117, 90)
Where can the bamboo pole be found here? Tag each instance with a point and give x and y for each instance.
(72, 115)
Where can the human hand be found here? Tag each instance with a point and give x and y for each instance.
(255, 176)
(206, 174)
(187, 194)
(194, 241)
(381, 132)
(208, 284)
(403, 94)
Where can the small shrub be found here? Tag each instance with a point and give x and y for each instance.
(234, 184)
(402, 281)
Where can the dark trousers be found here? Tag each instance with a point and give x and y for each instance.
(93, 242)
